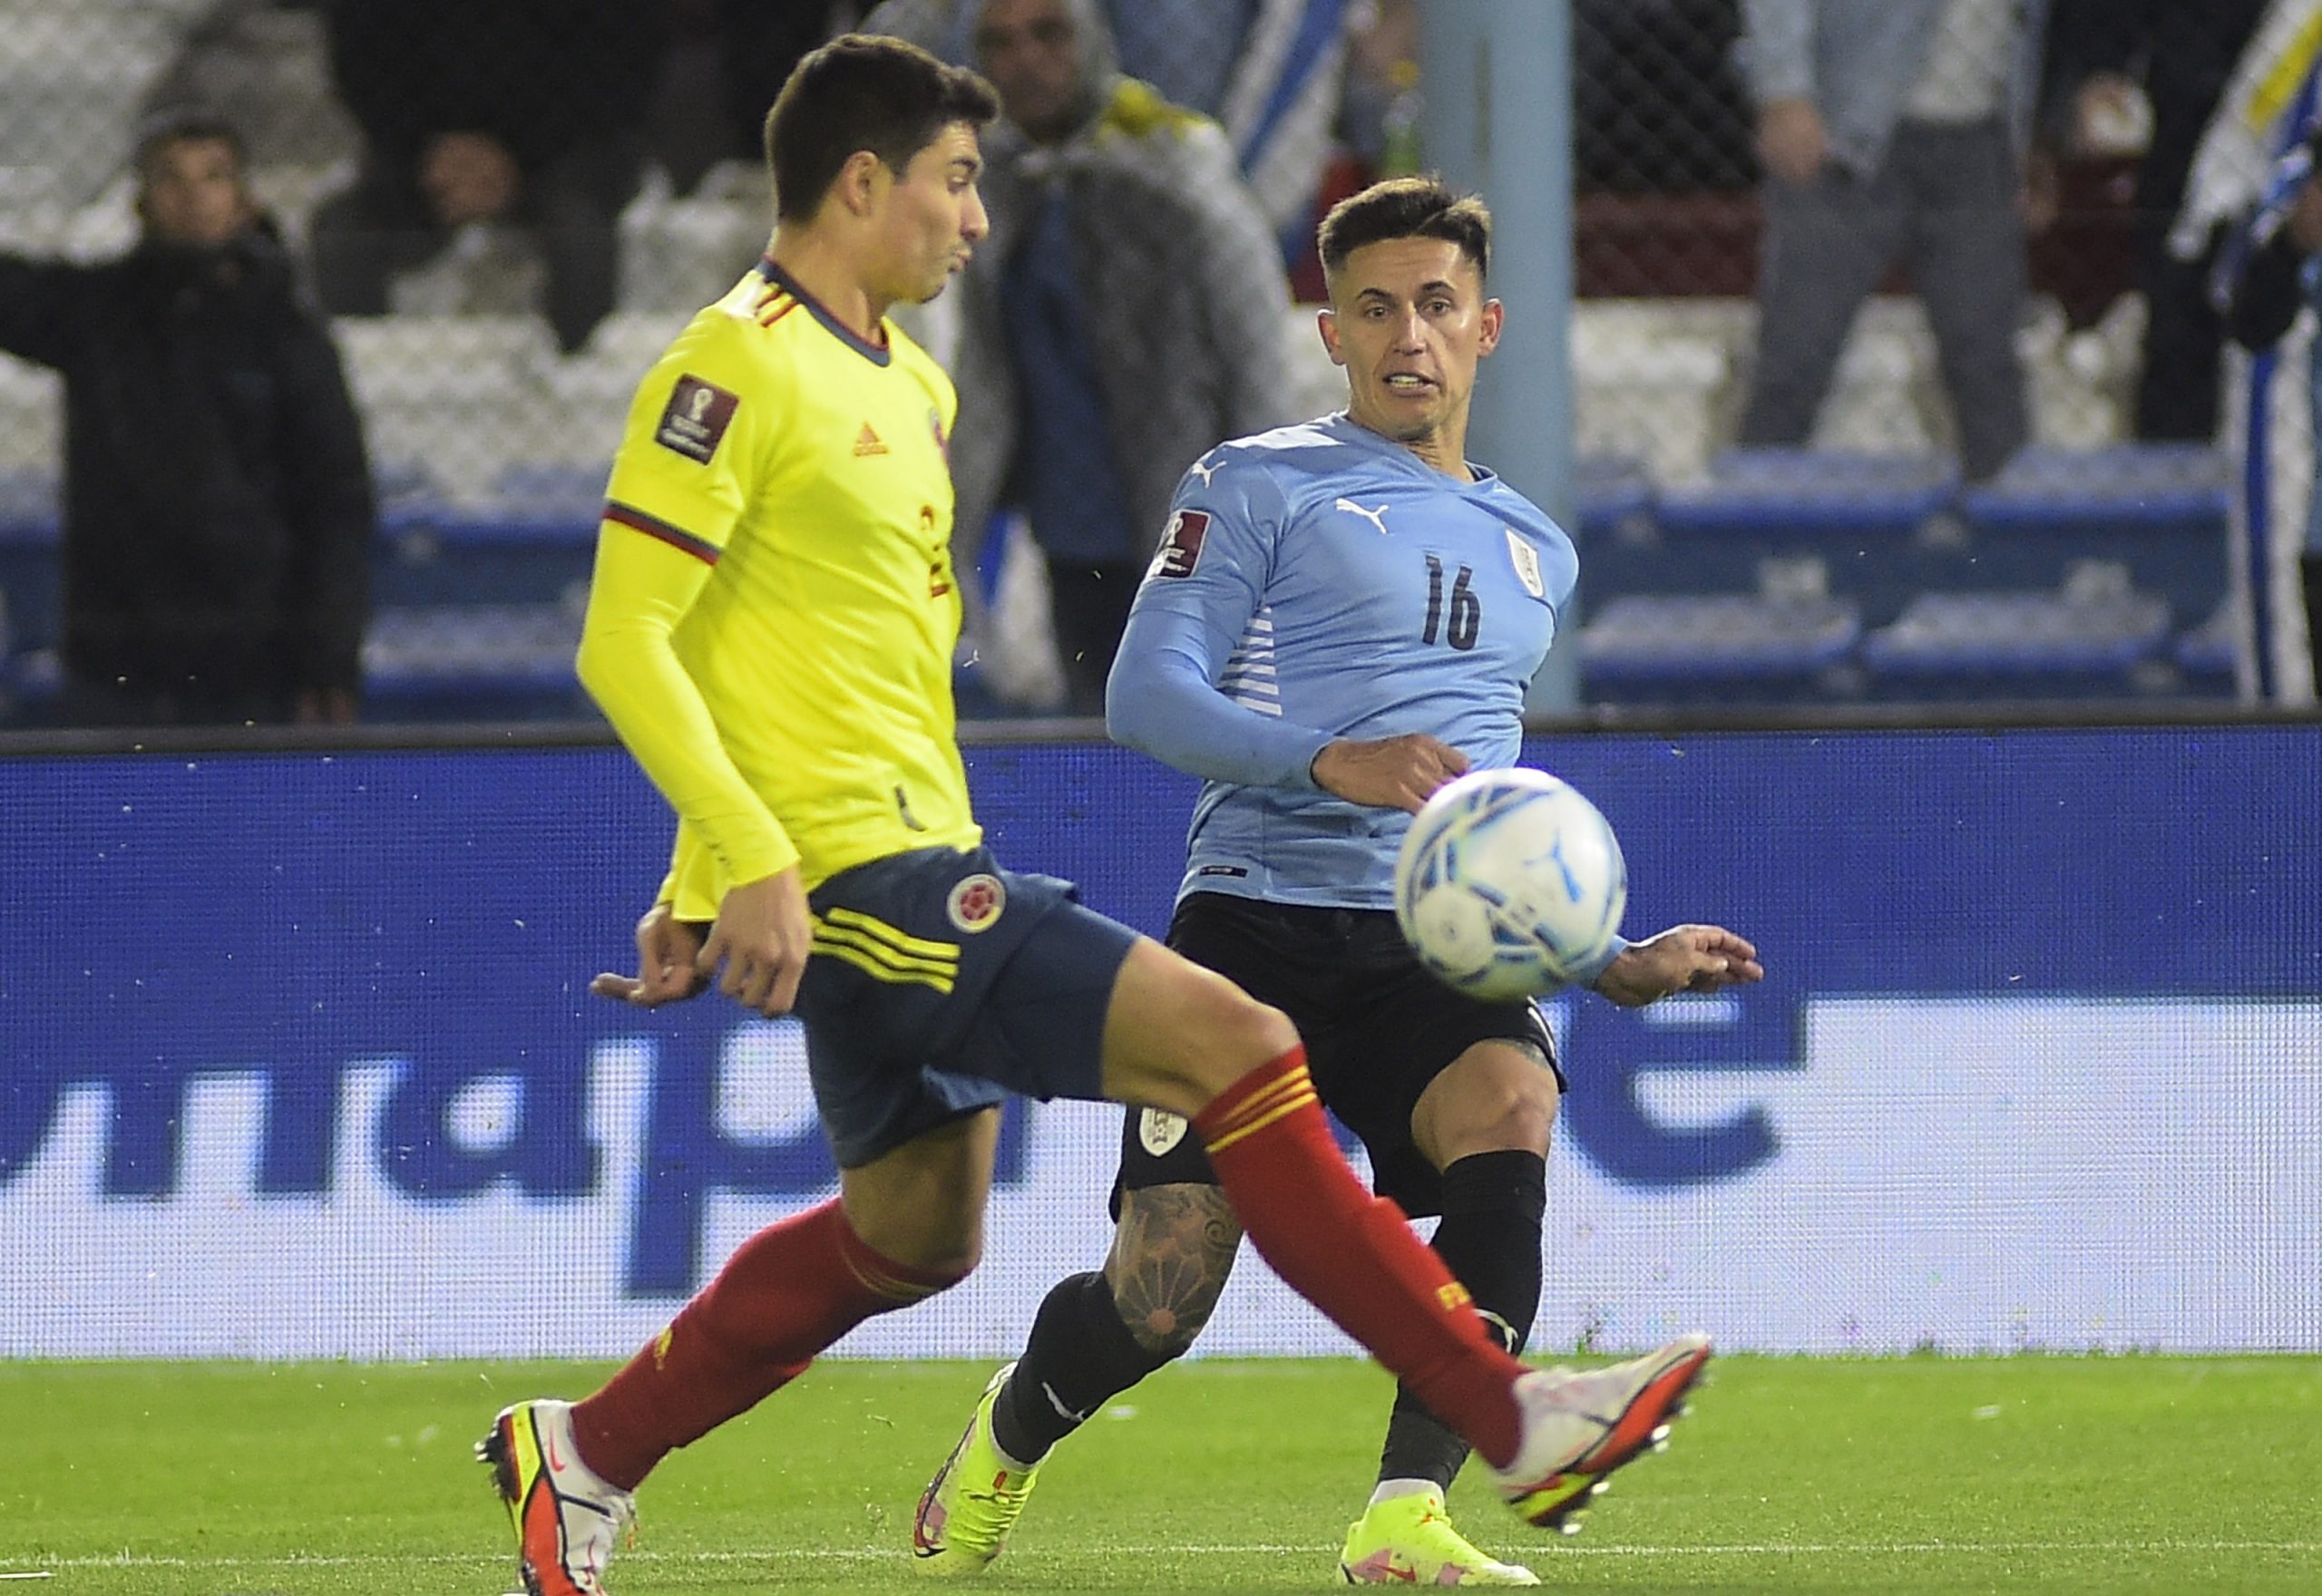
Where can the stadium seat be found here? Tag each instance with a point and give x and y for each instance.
(1719, 648)
(30, 681)
(2025, 646)
(2210, 654)
(1612, 498)
(1870, 528)
(473, 662)
(529, 540)
(2164, 510)
(29, 579)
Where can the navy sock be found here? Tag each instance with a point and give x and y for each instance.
(1490, 1239)
(1081, 1357)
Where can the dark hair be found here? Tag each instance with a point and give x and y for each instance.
(1406, 208)
(186, 124)
(863, 92)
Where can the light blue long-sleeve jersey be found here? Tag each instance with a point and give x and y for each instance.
(1321, 581)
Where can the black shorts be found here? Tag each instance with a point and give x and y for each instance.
(1378, 1030)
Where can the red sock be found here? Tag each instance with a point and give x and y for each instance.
(1353, 1255)
(786, 1293)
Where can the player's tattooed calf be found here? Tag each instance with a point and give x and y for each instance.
(1170, 1258)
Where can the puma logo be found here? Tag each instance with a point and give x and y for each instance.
(1377, 517)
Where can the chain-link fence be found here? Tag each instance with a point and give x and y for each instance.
(1776, 502)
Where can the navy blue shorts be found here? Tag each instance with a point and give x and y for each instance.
(1378, 1030)
(941, 983)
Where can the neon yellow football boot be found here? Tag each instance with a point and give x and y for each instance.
(1408, 1540)
(974, 1499)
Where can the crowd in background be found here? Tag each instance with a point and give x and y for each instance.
(1152, 186)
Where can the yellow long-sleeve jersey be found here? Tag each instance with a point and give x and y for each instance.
(773, 614)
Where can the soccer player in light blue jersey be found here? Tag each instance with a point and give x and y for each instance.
(1342, 616)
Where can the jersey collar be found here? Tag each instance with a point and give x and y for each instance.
(876, 354)
(1352, 431)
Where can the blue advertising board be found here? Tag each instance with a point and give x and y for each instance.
(299, 1057)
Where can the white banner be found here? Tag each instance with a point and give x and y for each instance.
(1956, 1175)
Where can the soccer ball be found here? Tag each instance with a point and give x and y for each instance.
(1508, 881)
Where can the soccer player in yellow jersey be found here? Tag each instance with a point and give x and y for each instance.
(770, 632)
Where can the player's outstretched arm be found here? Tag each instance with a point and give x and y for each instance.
(667, 948)
(1682, 959)
(1388, 772)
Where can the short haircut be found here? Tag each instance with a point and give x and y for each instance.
(186, 125)
(1406, 208)
(863, 92)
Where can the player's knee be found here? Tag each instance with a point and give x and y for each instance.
(939, 1256)
(1525, 1114)
(1481, 1106)
(949, 1270)
(1226, 1033)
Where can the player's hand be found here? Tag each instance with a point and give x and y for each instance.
(1793, 143)
(1682, 959)
(763, 935)
(665, 949)
(1388, 773)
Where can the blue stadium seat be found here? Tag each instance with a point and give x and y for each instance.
(1613, 497)
(408, 495)
(1799, 491)
(30, 681)
(1719, 648)
(532, 541)
(29, 582)
(1874, 529)
(2210, 654)
(473, 662)
(2024, 646)
(2164, 510)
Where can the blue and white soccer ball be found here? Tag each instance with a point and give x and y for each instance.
(1509, 881)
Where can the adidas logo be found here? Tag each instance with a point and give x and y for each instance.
(867, 442)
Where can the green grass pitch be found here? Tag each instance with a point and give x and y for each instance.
(1919, 1475)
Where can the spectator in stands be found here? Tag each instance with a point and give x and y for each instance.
(218, 513)
(487, 111)
(1127, 311)
(1268, 71)
(725, 62)
(2180, 53)
(2275, 271)
(1886, 132)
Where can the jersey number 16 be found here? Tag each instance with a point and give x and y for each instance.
(1467, 616)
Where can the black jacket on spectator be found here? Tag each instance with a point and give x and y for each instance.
(541, 76)
(217, 506)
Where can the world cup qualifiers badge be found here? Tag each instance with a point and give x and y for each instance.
(976, 901)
